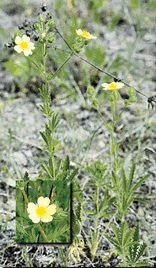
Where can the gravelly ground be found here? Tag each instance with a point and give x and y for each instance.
(22, 154)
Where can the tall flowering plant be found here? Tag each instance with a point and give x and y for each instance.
(119, 189)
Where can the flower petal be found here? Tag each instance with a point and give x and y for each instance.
(35, 218)
(105, 85)
(46, 218)
(51, 210)
(18, 40)
(27, 52)
(40, 201)
(31, 207)
(79, 31)
(43, 202)
(120, 85)
(26, 38)
(18, 49)
(31, 45)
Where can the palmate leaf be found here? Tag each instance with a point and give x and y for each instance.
(114, 242)
(117, 234)
(128, 237)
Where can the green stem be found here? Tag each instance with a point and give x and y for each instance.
(59, 69)
(26, 198)
(94, 248)
(43, 233)
(63, 256)
(123, 257)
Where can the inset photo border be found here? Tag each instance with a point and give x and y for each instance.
(43, 212)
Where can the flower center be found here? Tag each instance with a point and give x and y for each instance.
(85, 34)
(24, 45)
(40, 211)
(113, 86)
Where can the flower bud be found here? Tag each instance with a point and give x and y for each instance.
(8, 45)
(131, 91)
(26, 23)
(37, 26)
(36, 37)
(41, 18)
(28, 33)
(91, 91)
(50, 23)
(44, 7)
(20, 27)
(50, 38)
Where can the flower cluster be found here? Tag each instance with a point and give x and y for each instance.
(42, 211)
(36, 31)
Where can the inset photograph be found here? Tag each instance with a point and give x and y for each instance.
(43, 212)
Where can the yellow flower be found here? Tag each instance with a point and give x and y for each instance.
(41, 211)
(24, 44)
(112, 86)
(85, 34)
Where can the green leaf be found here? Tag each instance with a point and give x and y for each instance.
(66, 164)
(72, 175)
(124, 181)
(96, 54)
(106, 203)
(139, 183)
(58, 166)
(134, 4)
(94, 197)
(128, 237)
(117, 234)
(26, 176)
(62, 176)
(91, 212)
(141, 251)
(44, 137)
(54, 121)
(46, 168)
(52, 166)
(114, 22)
(131, 175)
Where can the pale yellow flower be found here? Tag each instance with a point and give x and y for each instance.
(85, 34)
(24, 44)
(112, 86)
(42, 211)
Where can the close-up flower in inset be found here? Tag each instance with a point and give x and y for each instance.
(85, 34)
(112, 86)
(42, 211)
(24, 44)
